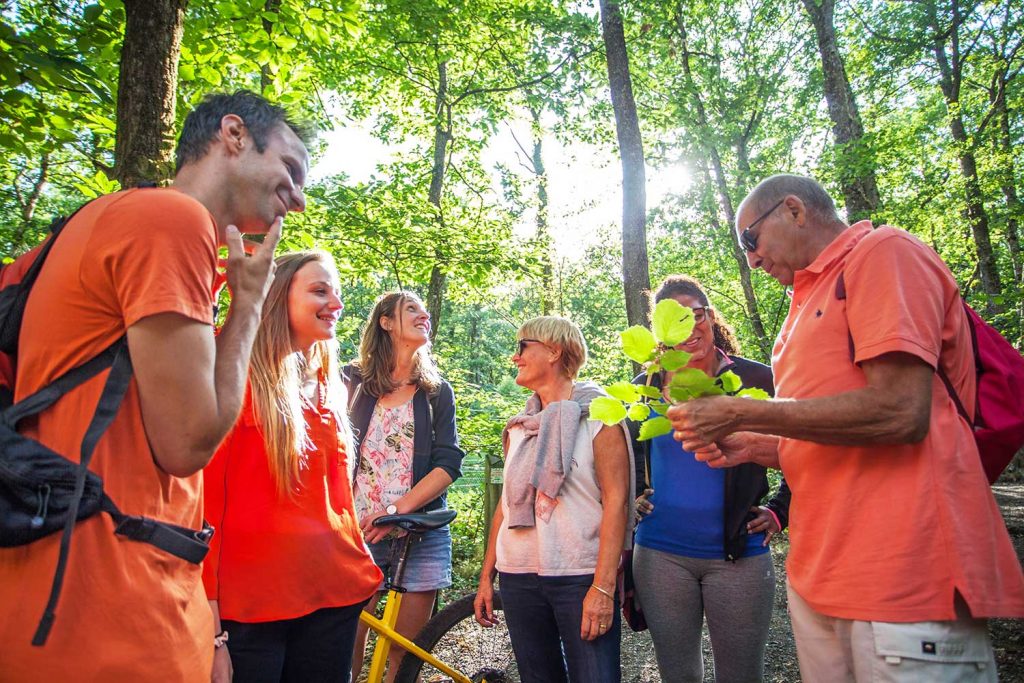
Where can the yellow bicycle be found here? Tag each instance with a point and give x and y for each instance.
(451, 642)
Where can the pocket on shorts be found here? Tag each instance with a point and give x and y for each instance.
(933, 651)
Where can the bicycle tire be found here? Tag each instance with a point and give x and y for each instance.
(454, 637)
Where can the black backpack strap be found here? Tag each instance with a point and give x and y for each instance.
(48, 395)
(182, 542)
(106, 409)
(14, 302)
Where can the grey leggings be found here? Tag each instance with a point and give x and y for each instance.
(676, 593)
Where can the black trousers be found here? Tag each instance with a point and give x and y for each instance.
(315, 648)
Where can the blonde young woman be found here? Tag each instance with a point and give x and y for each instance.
(288, 574)
(403, 419)
(560, 529)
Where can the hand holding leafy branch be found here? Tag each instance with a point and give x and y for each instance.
(655, 349)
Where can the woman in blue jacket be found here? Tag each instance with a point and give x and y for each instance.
(407, 453)
(702, 547)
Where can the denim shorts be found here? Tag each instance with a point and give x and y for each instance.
(428, 565)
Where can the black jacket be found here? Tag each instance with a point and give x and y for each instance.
(435, 441)
(745, 485)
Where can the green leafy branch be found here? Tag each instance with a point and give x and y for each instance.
(671, 325)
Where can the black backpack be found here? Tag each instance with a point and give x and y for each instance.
(41, 491)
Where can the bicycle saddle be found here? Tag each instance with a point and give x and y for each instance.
(418, 522)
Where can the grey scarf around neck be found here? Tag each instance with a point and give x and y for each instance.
(544, 456)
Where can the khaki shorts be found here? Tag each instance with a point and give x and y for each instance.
(832, 649)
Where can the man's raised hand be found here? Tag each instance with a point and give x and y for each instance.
(249, 275)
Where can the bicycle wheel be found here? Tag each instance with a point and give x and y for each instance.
(454, 637)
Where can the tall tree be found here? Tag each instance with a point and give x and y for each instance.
(950, 57)
(721, 183)
(856, 169)
(147, 90)
(636, 278)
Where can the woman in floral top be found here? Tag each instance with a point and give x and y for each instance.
(403, 419)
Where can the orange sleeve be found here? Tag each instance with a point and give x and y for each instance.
(173, 270)
(909, 317)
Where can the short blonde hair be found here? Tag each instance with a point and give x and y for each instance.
(561, 332)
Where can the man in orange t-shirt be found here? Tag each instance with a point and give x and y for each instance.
(142, 263)
(898, 550)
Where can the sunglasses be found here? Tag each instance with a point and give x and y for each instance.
(749, 241)
(523, 343)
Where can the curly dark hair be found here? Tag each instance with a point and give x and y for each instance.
(684, 285)
(260, 117)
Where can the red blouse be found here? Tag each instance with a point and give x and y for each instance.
(275, 558)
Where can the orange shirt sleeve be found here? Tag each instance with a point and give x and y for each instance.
(174, 269)
(909, 317)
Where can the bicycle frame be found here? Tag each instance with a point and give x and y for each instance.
(386, 636)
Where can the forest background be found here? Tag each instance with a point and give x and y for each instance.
(512, 158)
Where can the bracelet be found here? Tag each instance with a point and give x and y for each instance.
(220, 640)
(602, 591)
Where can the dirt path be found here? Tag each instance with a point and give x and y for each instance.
(780, 660)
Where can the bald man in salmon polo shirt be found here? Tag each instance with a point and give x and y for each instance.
(898, 552)
(142, 263)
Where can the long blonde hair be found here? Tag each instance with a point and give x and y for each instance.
(275, 378)
(377, 352)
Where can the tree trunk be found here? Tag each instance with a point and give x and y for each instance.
(442, 135)
(739, 255)
(543, 232)
(724, 199)
(950, 74)
(856, 172)
(266, 76)
(1004, 146)
(146, 90)
(636, 277)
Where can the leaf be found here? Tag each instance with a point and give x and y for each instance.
(639, 344)
(754, 393)
(731, 382)
(608, 410)
(672, 360)
(691, 378)
(656, 426)
(659, 407)
(680, 394)
(648, 391)
(91, 13)
(624, 391)
(672, 322)
(638, 412)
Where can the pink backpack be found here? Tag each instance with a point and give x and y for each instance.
(999, 414)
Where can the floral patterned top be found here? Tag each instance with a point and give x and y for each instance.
(385, 463)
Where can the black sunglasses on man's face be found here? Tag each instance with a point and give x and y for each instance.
(749, 241)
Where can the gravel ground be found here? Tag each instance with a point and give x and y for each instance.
(780, 657)
(639, 665)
